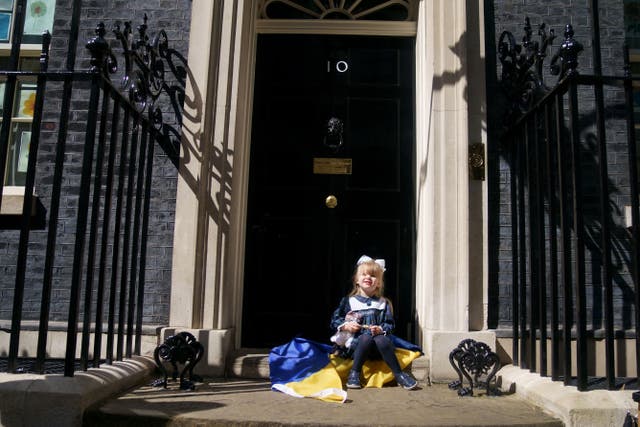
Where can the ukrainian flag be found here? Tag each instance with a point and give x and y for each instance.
(305, 368)
(302, 368)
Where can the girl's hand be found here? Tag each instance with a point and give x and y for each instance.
(376, 330)
(352, 327)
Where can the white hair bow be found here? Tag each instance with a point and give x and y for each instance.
(365, 258)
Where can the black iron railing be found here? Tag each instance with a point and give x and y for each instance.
(111, 198)
(561, 206)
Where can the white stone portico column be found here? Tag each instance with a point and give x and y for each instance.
(443, 134)
(207, 242)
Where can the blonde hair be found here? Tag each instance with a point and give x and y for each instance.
(373, 269)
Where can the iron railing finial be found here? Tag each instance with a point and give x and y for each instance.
(567, 55)
(102, 59)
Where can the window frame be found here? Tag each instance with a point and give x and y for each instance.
(30, 47)
(16, 119)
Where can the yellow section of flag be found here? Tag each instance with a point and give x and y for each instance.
(376, 373)
(325, 385)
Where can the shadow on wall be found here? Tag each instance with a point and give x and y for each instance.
(460, 81)
(206, 165)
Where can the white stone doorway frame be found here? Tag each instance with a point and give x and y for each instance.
(208, 251)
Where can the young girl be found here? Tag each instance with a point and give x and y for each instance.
(374, 325)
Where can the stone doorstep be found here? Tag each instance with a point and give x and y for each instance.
(595, 408)
(55, 400)
(249, 363)
(254, 364)
(27, 399)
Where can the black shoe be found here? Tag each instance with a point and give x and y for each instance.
(354, 380)
(406, 381)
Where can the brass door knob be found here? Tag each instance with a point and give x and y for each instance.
(331, 201)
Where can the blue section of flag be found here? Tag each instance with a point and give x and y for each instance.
(400, 343)
(297, 359)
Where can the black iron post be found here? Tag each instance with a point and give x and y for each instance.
(27, 203)
(515, 294)
(605, 217)
(99, 51)
(126, 248)
(136, 239)
(93, 231)
(56, 188)
(564, 165)
(143, 248)
(522, 282)
(540, 296)
(530, 148)
(550, 148)
(9, 93)
(111, 331)
(578, 230)
(106, 221)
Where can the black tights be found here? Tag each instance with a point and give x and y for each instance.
(367, 343)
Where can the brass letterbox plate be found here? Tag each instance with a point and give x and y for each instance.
(331, 166)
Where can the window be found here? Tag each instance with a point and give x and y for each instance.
(38, 18)
(382, 10)
(21, 119)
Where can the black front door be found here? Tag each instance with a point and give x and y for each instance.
(331, 178)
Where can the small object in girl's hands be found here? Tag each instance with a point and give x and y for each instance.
(344, 338)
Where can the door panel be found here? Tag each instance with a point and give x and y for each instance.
(300, 253)
(374, 123)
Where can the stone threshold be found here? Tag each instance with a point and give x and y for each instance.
(254, 364)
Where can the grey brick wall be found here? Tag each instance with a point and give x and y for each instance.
(510, 15)
(174, 17)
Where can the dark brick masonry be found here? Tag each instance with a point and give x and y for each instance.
(174, 17)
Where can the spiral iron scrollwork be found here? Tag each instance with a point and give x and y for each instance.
(474, 360)
(181, 348)
(522, 65)
(144, 74)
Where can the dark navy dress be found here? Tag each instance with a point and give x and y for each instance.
(369, 312)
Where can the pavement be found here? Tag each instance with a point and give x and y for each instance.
(251, 402)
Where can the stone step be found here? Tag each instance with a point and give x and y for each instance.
(252, 403)
(252, 363)
(245, 398)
